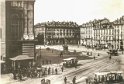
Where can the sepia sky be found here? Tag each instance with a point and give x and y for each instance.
(80, 11)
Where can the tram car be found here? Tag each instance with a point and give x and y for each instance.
(113, 77)
(70, 62)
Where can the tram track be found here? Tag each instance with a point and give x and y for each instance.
(110, 65)
(86, 67)
(99, 68)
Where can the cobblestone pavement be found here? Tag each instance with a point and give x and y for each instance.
(87, 68)
(77, 48)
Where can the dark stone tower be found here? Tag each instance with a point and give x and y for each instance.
(19, 28)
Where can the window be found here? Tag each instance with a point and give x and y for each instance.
(14, 3)
(60, 32)
(67, 31)
(0, 33)
(106, 37)
(106, 32)
(63, 32)
(70, 31)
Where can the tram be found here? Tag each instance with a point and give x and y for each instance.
(112, 77)
(70, 62)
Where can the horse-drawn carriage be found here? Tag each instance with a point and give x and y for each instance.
(113, 52)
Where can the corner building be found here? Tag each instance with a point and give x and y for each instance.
(87, 34)
(103, 33)
(119, 33)
(97, 34)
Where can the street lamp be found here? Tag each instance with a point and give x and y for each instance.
(40, 52)
(121, 47)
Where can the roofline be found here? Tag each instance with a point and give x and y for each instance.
(20, 0)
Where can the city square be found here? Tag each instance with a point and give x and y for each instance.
(59, 52)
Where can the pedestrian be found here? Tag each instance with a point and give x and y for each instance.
(56, 70)
(43, 62)
(87, 53)
(61, 54)
(14, 74)
(94, 57)
(75, 66)
(74, 80)
(40, 73)
(52, 70)
(65, 80)
(49, 71)
(78, 45)
(50, 61)
(46, 70)
(110, 57)
(76, 61)
(91, 53)
(98, 54)
(20, 75)
(43, 81)
(86, 80)
(62, 68)
(46, 61)
(44, 74)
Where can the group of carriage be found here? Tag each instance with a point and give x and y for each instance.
(112, 77)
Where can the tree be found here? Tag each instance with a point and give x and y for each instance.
(40, 38)
(121, 46)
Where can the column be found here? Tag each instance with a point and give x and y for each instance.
(30, 21)
(25, 35)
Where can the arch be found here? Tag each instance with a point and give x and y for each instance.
(16, 26)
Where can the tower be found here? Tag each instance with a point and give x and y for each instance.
(19, 28)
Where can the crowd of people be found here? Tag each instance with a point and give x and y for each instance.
(36, 72)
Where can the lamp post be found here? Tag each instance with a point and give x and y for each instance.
(121, 46)
(40, 58)
(40, 52)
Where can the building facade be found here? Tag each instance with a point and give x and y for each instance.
(103, 33)
(118, 33)
(39, 29)
(61, 33)
(97, 34)
(87, 34)
(40, 33)
(100, 33)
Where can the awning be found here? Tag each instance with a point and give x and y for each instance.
(67, 59)
(21, 57)
(116, 72)
(101, 73)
